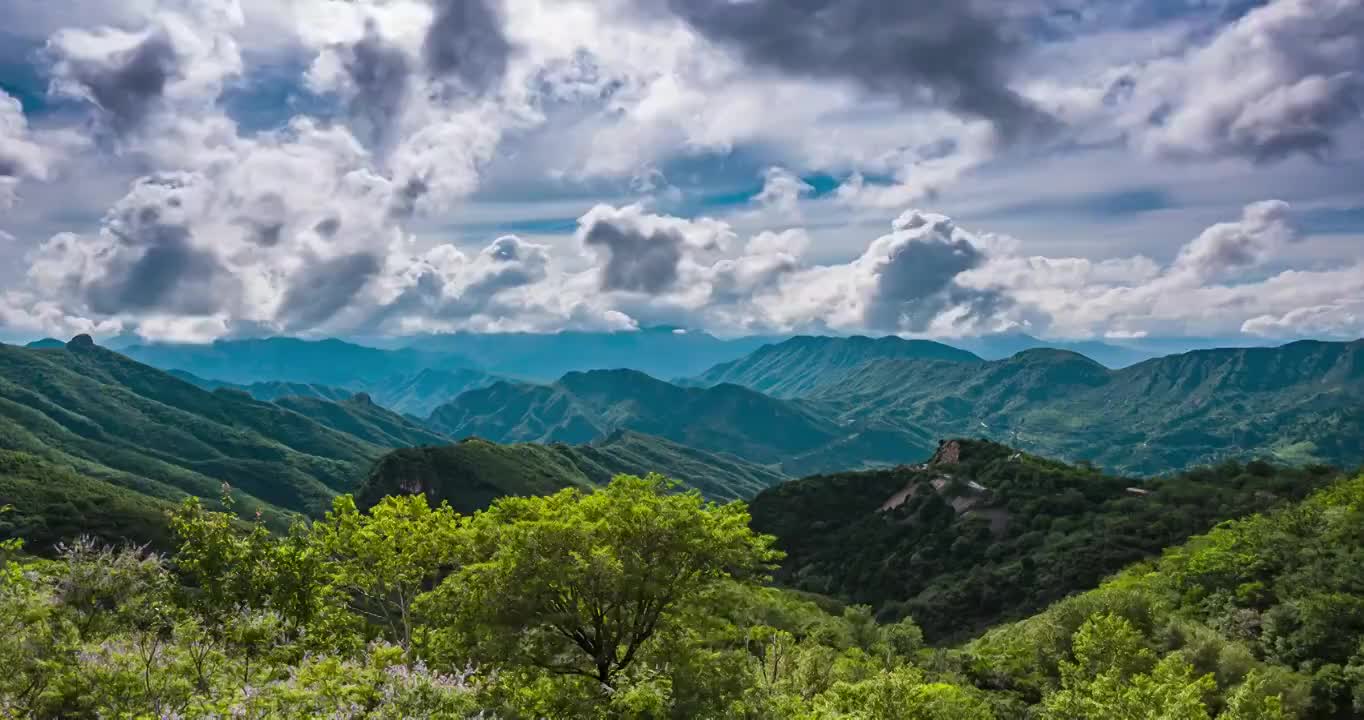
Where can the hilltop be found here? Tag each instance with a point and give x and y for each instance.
(472, 473)
(983, 532)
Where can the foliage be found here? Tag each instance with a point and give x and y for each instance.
(635, 600)
(1037, 531)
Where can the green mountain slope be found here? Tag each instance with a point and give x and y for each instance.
(51, 503)
(1300, 402)
(118, 421)
(268, 391)
(582, 407)
(359, 416)
(472, 473)
(804, 364)
(1271, 601)
(984, 532)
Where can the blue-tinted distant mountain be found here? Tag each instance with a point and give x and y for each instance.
(324, 362)
(415, 395)
(804, 364)
(46, 344)
(1005, 345)
(664, 352)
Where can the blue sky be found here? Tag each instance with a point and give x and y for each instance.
(1073, 169)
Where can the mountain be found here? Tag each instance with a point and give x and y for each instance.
(1003, 345)
(983, 532)
(1270, 602)
(803, 364)
(412, 394)
(421, 393)
(268, 391)
(582, 407)
(45, 344)
(120, 424)
(359, 416)
(323, 362)
(665, 352)
(472, 473)
(51, 503)
(1303, 402)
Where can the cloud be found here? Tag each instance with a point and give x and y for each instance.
(1263, 230)
(466, 44)
(644, 253)
(380, 76)
(952, 54)
(915, 272)
(126, 84)
(1284, 79)
(321, 290)
(22, 156)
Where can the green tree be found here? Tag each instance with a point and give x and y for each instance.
(579, 583)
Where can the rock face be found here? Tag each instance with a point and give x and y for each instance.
(81, 341)
(949, 453)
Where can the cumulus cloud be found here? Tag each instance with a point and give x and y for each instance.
(953, 54)
(644, 252)
(1283, 79)
(21, 156)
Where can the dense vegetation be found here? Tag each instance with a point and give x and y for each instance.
(635, 601)
(984, 533)
(117, 421)
(472, 473)
(582, 407)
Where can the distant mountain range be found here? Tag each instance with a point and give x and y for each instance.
(413, 395)
(840, 403)
(664, 352)
(322, 362)
(582, 407)
(804, 364)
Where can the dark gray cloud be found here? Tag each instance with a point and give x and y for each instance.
(169, 275)
(917, 283)
(639, 261)
(381, 75)
(325, 288)
(404, 202)
(129, 84)
(952, 53)
(467, 45)
(328, 227)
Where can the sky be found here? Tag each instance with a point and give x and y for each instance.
(188, 170)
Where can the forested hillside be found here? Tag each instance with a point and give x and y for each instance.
(472, 473)
(634, 601)
(984, 533)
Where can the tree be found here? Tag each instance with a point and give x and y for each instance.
(382, 561)
(578, 584)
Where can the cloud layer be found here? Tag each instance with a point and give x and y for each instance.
(298, 167)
